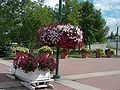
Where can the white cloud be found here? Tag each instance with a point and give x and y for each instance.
(106, 5)
(112, 22)
(51, 3)
(103, 7)
(111, 12)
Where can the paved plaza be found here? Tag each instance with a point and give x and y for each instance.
(76, 74)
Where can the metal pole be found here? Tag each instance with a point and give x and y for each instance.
(117, 41)
(57, 76)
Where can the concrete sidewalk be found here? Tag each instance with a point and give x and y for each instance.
(76, 74)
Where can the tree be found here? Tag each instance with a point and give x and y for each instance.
(70, 12)
(20, 19)
(111, 36)
(92, 22)
(85, 15)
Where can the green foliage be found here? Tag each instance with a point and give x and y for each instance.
(109, 50)
(92, 23)
(85, 49)
(111, 36)
(20, 20)
(45, 49)
(99, 50)
(20, 49)
(70, 12)
(85, 15)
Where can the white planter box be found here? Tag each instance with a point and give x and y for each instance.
(37, 75)
(32, 80)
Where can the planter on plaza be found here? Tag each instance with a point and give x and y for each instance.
(19, 50)
(31, 69)
(99, 52)
(63, 53)
(84, 52)
(84, 55)
(109, 53)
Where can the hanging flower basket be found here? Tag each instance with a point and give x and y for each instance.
(62, 35)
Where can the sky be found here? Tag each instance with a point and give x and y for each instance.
(110, 11)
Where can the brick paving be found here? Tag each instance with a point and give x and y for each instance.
(74, 66)
(111, 82)
(3, 68)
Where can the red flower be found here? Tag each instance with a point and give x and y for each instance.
(27, 62)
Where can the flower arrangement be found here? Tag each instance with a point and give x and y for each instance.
(62, 35)
(46, 63)
(70, 36)
(99, 50)
(28, 62)
(20, 49)
(109, 52)
(85, 50)
(63, 50)
(45, 49)
(64, 53)
(49, 35)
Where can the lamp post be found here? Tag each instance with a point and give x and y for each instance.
(117, 38)
(57, 76)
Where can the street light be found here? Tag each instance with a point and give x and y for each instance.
(117, 39)
(57, 76)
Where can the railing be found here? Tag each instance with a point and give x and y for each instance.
(112, 43)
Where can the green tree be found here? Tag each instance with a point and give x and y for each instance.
(70, 12)
(92, 22)
(111, 36)
(20, 20)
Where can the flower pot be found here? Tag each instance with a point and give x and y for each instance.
(32, 76)
(98, 54)
(84, 54)
(64, 55)
(108, 54)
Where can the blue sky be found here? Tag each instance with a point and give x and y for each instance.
(110, 11)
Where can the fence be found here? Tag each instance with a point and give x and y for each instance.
(112, 43)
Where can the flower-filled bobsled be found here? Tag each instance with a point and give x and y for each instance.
(28, 62)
